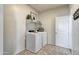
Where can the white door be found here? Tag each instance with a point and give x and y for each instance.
(62, 29)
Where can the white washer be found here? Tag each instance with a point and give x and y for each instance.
(33, 42)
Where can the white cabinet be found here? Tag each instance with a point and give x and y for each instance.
(35, 41)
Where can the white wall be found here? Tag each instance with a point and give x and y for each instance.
(9, 30)
(1, 29)
(15, 26)
(75, 30)
(48, 20)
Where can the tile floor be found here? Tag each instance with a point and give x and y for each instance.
(48, 50)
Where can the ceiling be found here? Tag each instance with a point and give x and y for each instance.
(42, 7)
